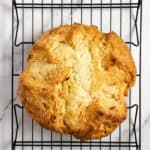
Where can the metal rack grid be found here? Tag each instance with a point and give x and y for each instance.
(121, 16)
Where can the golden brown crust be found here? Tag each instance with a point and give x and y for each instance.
(76, 81)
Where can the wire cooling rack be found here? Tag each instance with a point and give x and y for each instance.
(32, 17)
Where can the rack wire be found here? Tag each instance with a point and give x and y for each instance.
(30, 18)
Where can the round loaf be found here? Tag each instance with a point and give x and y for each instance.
(76, 81)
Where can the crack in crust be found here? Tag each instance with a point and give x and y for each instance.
(76, 81)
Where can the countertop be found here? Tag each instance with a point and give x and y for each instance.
(5, 75)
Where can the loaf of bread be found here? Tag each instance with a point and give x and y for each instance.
(76, 81)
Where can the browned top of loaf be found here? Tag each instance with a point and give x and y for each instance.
(76, 81)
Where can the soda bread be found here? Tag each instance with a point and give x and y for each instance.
(76, 81)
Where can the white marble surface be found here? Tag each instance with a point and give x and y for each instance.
(5, 75)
